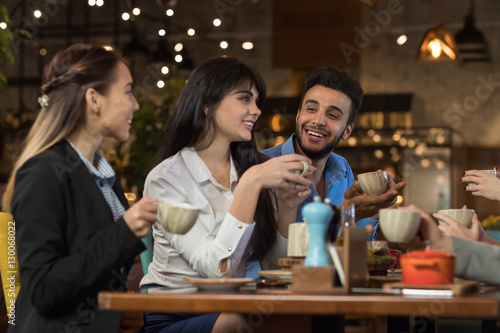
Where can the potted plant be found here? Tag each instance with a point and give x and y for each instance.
(492, 226)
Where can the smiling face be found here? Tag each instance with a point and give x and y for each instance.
(118, 105)
(236, 114)
(321, 121)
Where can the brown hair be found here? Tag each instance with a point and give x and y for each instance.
(65, 80)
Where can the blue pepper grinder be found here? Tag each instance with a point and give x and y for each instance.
(317, 215)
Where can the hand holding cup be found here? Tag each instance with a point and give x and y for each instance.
(373, 183)
(177, 218)
(301, 173)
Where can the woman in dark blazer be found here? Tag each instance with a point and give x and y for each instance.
(75, 233)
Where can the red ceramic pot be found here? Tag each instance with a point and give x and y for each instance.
(427, 267)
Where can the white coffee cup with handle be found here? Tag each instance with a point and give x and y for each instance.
(301, 173)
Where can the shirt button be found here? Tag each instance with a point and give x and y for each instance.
(229, 249)
(240, 226)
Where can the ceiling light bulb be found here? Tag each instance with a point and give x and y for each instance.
(178, 58)
(224, 45)
(91, 2)
(136, 11)
(125, 16)
(247, 45)
(435, 47)
(191, 32)
(162, 32)
(401, 39)
(164, 70)
(160, 84)
(169, 12)
(217, 22)
(99, 3)
(178, 47)
(37, 13)
(3, 25)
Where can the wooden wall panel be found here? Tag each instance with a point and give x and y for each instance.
(309, 34)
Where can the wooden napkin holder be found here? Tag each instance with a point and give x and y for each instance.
(347, 272)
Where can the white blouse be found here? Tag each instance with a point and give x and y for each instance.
(216, 235)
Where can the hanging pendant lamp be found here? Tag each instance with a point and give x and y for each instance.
(438, 43)
(470, 41)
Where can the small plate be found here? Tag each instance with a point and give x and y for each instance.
(223, 284)
(279, 275)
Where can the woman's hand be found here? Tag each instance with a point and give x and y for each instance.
(428, 231)
(277, 173)
(483, 184)
(141, 216)
(455, 228)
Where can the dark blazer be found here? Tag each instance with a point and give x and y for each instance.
(69, 247)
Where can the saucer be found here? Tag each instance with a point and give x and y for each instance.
(279, 275)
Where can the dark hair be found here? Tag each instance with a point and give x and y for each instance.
(66, 79)
(188, 125)
(331, 77)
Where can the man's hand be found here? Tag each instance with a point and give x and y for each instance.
(369, 205)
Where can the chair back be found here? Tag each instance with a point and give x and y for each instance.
(147, 254)
(9, 268)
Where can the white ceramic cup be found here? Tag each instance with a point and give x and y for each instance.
(399, 226)
(373, 183)
(493, 172)
(298, 239)
(177, 218)
(301, 173)
(464, 216)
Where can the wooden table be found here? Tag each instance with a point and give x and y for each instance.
(288, 306)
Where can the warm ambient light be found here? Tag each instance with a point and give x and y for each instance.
(161, 32)
(224, 45)
(247, 45)
(3, 25)
(191, 32)
(130, 196)
(438, 44)
(217, 22)
(99, 3)
(164, 70)
(178, 58)
(401, 39)
(169, 12)
(178, 47)
(125, 16)
(37, 13)
(276, 123)
(136, 11)
(91, 2)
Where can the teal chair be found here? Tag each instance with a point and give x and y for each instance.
(147, 255)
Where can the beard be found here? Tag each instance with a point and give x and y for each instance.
(316, 154)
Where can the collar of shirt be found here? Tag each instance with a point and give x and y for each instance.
(102, 169)
(200, 171)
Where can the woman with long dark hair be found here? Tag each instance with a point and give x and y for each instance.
(75, 234)
(209, 159)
